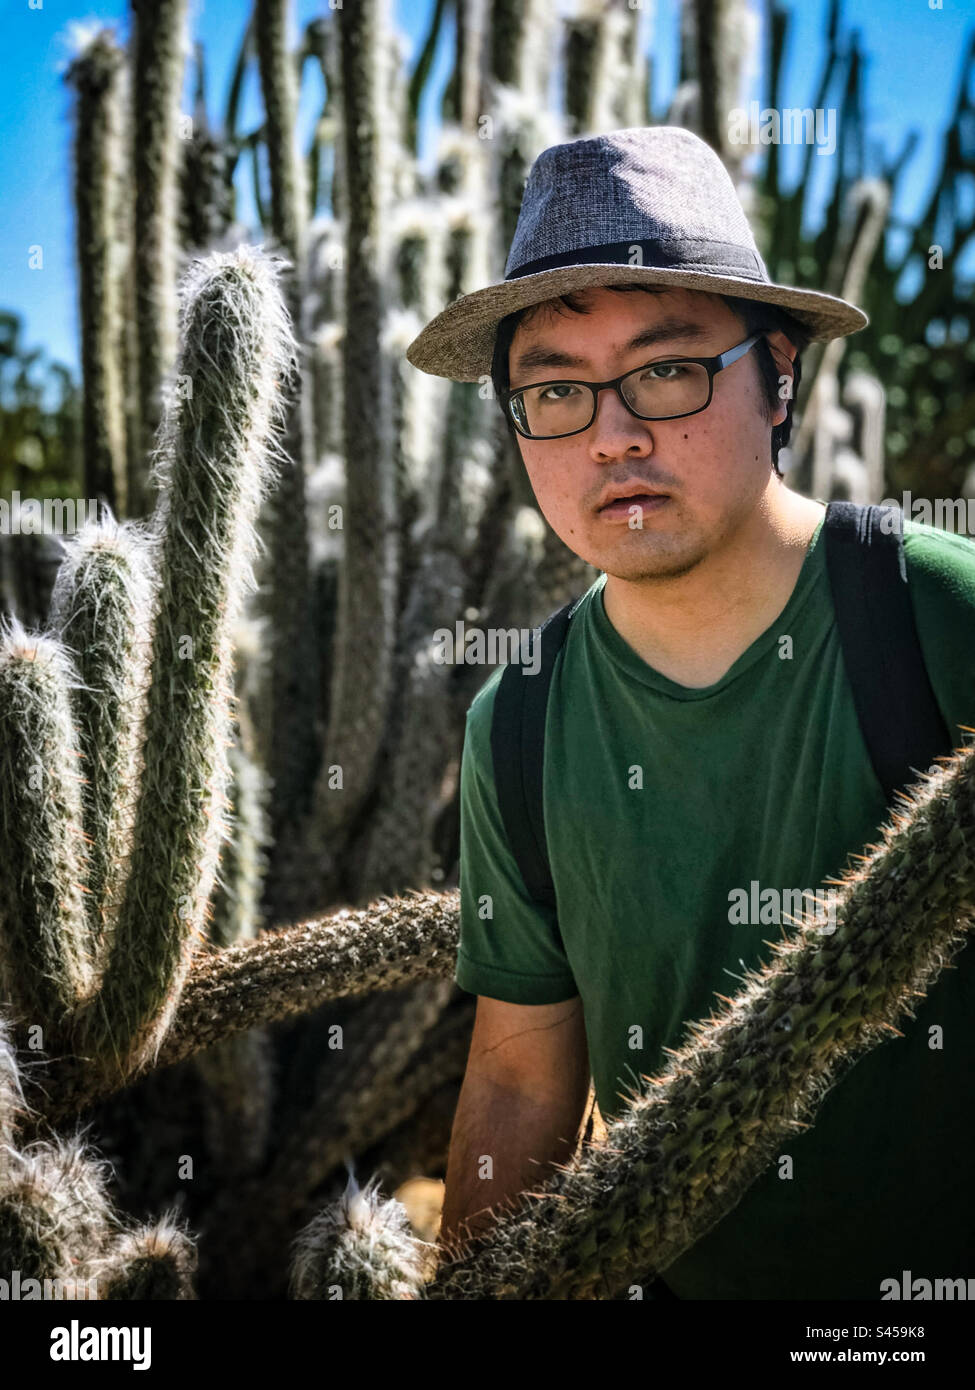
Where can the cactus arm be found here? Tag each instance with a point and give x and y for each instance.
(45, 964)
(283, 974)
(219, 447)
(101, 608)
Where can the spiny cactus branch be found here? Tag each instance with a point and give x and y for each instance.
(282, 974)
(687, 1148)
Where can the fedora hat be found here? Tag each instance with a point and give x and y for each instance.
(650, 203)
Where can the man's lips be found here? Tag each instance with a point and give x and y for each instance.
(622, 507)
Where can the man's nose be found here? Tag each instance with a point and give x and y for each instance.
(615, 423)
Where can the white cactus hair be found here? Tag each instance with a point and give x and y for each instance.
(275, 383)
(354, 1240)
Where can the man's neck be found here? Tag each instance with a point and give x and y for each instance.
(694, 627)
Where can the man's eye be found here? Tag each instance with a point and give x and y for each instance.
(557, 386)
(676, 368)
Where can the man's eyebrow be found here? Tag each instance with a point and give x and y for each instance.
(664, 331)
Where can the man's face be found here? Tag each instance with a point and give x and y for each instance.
(713, 467)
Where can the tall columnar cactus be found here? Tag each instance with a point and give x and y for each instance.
(293, 687)
(158, 65)
(367, 587)
(97, 74)
(236, 909)
(117, 935)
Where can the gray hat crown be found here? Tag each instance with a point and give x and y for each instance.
(648, 204)
(660, 184)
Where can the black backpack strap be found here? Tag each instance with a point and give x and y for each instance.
(899, 717)
(518, 751)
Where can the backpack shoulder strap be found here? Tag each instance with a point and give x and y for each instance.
(896, 706)
(518, 750)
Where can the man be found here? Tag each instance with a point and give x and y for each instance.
(702, 749)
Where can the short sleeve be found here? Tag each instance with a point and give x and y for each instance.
(941, 573)
(510, 945)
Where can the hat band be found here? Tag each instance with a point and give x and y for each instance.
(685, 254)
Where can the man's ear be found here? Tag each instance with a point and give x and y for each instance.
(783, 352)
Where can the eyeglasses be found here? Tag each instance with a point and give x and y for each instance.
(539, 413)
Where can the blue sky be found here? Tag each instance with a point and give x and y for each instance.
(914, 60)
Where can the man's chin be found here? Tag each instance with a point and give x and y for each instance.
(656, 558)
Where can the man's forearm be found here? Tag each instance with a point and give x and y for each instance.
(502, 1143)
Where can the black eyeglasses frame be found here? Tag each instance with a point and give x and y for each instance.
(713, 365)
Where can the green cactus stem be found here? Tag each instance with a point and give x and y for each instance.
(45, 965)
(289, 972)
(101, 608)
(688, 1147)
(284, 974)
(422, 736)
(97, 75)
(219, 447)
(293, 686)
(235, 909)
(158, 63)
(362, 671)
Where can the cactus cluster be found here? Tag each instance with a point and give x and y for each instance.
(229, 763)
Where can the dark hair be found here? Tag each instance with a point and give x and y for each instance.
(754, 316)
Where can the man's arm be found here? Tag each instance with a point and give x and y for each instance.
(523, 1099)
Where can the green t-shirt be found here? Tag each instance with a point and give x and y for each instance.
(761, 778)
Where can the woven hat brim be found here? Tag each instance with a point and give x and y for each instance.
(459, 342)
